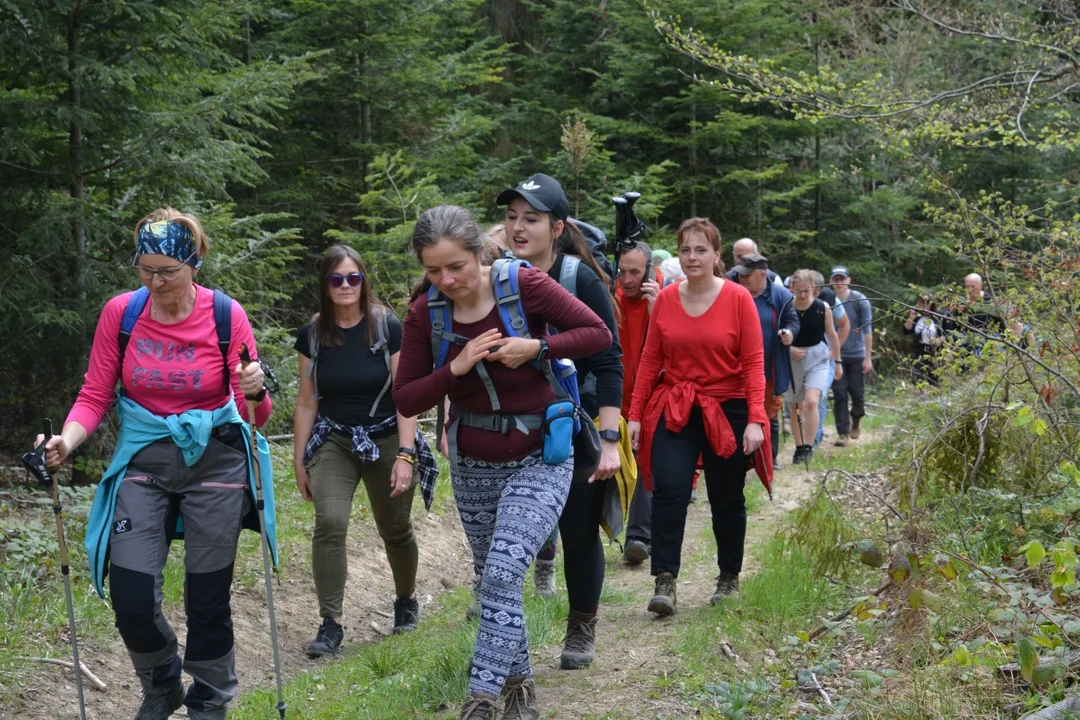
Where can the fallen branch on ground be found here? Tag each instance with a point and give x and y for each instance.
(91, 677)
(1057, 711)
(821, 629)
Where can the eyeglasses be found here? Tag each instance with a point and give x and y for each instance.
(353, 279)
(167, 274)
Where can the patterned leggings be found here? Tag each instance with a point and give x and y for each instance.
(508, 510)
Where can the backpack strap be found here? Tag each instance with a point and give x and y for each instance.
(568, 274)
(132, 311)
(313, 353)
(382, 334)
(223, 325)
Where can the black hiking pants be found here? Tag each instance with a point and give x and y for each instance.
(583, 553)
(850, 384)
(674, 458)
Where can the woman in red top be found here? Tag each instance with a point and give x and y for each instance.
(705, 337)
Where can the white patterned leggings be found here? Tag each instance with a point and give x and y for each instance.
(508, 510)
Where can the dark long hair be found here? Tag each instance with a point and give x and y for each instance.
(325, 321)
(572, 242)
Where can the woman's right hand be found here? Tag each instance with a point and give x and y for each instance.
(474, 351)
(56, 450)
(798, 353)
(303, 483)
(634, 429)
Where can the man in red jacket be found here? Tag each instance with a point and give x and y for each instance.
(639, 283)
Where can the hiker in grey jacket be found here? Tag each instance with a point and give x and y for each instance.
(855, 356)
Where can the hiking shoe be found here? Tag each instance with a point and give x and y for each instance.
(544, 576)
(776, 465)
(663, 602)
(636, 552)
(693, 495)
(160, 706)
(328, 639)
(727, 586)
(800, 454)
(406, 615)
(579, 646)
(841, 441)
(480, 706)
(520, 698)
(855, 430)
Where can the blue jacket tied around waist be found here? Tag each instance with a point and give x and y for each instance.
(191, 433)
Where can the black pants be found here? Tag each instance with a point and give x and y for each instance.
(850, 384)
(774, 437)
(674, 457)
(583, 554)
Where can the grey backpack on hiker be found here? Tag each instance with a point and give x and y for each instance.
(382, 343)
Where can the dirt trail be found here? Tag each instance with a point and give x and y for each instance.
(444, 563)
(632, 642)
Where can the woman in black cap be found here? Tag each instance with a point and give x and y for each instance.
(538, 230)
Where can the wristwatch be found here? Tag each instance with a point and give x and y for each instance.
(610, 435)
(544, 350)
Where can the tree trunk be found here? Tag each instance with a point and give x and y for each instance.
(693, 158)
(817, 139)
(75, 157)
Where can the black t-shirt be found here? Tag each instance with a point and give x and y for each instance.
(351, 376)
(811, 325)
(828, 296)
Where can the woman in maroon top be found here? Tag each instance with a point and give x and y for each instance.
(508, 498)
(705, 337)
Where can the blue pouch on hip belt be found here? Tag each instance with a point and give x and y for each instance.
(558, 431)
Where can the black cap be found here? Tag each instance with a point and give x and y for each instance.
(542, 192)
(750, 263)
(839, 270)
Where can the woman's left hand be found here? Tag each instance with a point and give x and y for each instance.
(752, 438)
(609, 461)
(401, 477)
(516, 351)
(251, 378)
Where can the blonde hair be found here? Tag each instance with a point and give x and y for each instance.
(202, 242)
(800, 276)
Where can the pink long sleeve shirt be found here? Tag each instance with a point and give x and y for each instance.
(167, 369)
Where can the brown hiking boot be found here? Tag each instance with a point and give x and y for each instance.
(520, 697)
(855, 431)
(579, 647)
(727, 586)
(663, 602)
(480, 706)
(841, 441)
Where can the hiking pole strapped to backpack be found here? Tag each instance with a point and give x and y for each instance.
(245, 360)
(629, 229)
(35, 463)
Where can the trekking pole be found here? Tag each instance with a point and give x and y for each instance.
(35, 463)
(245, 360)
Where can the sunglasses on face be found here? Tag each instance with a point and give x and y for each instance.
(354, 280)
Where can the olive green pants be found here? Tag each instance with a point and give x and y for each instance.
(335, 472)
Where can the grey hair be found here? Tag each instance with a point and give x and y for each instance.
(448, 222)
(749, 240)
(644, 249)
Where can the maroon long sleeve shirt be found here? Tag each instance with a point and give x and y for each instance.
(521, 391)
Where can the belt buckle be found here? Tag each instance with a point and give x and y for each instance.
(504, 424)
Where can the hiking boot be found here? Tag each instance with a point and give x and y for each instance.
(841, 441)
(480, 706)
(406, 615)
(663, 602)
(544, 576)
(799, 456)
(328, 639)
(693, 495)
(579, 646)
(727, 586)
(161, 705)
(520, 698)
(855, 431)
(636, 552)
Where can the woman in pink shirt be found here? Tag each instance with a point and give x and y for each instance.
(182, 452)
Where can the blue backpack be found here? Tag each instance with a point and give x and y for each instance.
(222, 322)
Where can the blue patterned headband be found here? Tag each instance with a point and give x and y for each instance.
(171, 239)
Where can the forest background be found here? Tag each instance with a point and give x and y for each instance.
(289, 125)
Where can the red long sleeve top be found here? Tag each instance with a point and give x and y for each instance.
(705, 360)
(522, 390)
(167, 369)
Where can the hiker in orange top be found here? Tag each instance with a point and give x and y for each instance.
(639, 284)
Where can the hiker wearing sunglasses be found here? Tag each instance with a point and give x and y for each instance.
(182, 454)
(347, 430)
(511, 468)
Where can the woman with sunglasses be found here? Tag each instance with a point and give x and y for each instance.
(182, 452)
(347, 430)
